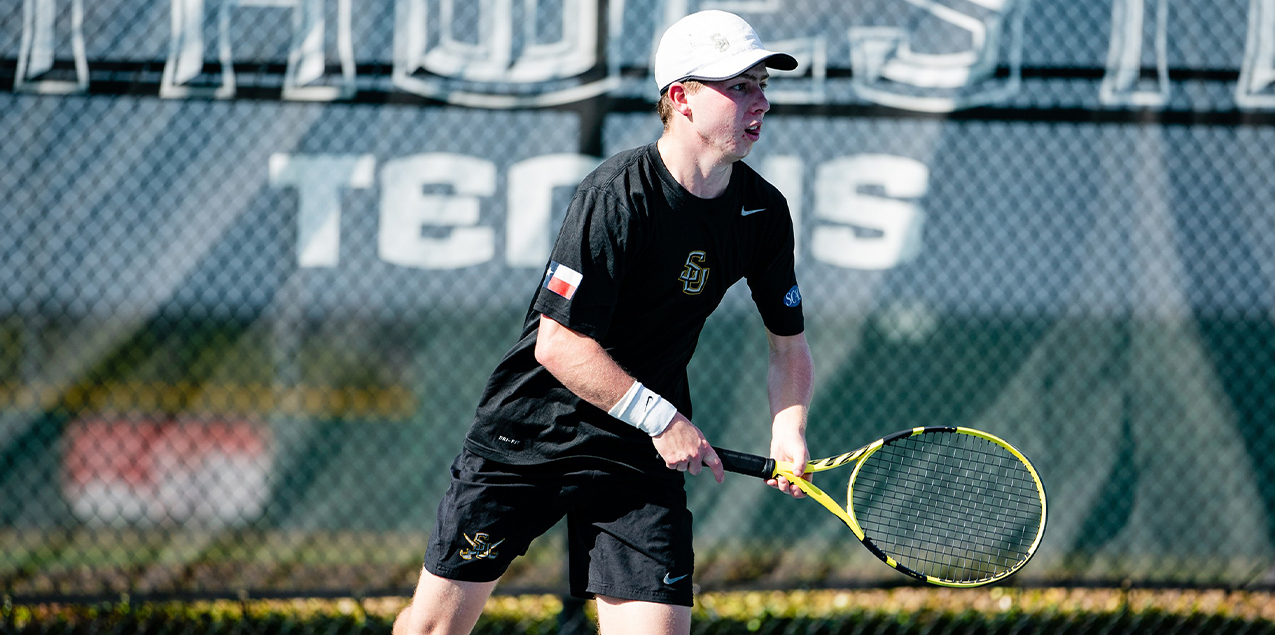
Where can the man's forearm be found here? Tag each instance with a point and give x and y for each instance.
(790, 382)
(581, 364)
(587, 370)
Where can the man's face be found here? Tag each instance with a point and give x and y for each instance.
(727, 114)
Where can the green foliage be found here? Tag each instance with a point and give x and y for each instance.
(973, 623)
(173, 618)
(902, 612)
(302, 617)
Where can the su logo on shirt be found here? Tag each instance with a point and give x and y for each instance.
(695, 274)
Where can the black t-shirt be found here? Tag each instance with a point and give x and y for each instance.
(638, 266)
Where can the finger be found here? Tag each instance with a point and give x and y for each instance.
(798, 466)
(782, 484)
(799, 457)
(785, 486)
(695, 467)
(795, 491)
(715, 464)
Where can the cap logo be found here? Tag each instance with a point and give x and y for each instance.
(719, 42)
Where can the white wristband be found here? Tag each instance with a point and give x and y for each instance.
(644, 409)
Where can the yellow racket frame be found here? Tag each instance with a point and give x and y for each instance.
(846, 513)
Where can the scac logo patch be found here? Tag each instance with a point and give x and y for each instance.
(793, 297)
(480, 547)
(695, 274)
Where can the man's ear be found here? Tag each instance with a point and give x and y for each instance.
(678, 99)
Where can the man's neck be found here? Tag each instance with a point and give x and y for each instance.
(701, 173)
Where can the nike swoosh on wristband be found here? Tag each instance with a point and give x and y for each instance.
(744, 211)
(668, 580)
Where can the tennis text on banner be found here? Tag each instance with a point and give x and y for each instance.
(867, 211)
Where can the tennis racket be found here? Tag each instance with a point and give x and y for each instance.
(951, 506)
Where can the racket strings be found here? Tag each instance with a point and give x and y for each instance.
(948, 505)
(944, 521)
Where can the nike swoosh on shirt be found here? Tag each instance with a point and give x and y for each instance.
(743, 211)
(668, 580)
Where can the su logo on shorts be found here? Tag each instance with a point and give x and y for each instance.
(694, 275)
(480, 547)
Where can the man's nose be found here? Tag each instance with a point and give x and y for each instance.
(763, 104)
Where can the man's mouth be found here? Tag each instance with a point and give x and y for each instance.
(753, 132)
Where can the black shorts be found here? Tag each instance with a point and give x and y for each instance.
(629, 535)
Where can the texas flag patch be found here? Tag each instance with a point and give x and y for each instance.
(562, 280)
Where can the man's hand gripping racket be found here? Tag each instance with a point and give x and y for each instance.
(947, 505)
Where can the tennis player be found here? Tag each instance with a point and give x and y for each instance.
(588, 415)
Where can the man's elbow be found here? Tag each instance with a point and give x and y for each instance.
(544, 349)
(790, 347)
(549, 344)
(544, 354)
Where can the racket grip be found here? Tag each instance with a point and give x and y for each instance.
(745, 463)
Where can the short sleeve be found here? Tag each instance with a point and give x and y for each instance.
(772, 278)
(582, 281)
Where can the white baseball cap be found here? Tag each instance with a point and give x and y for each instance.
(712, 45)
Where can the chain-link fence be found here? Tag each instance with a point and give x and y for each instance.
(259, 257)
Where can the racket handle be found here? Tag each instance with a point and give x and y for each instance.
(745, 463)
